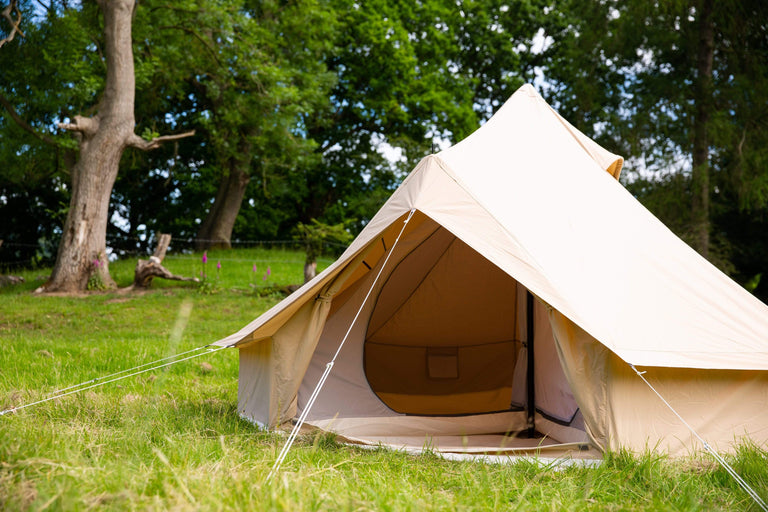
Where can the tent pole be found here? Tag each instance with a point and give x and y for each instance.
(530, 407)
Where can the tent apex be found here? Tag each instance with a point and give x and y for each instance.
(529, 89)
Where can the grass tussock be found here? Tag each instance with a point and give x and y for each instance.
(171, 439)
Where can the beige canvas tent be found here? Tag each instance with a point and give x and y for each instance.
(525, 284)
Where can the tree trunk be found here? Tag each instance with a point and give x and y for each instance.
(82, 254)
(216, 229)
(700, 217)
(310, 270)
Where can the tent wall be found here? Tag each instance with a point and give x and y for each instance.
(725, 407)
(270, 369)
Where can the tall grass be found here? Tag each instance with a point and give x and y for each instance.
(172, 439)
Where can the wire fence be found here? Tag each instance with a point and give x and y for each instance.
(21, 255)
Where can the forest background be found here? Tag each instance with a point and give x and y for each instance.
(227, 121)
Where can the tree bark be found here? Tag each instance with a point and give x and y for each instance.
(700, 216)
(310, 270)
(82, 256)
(216, 229)
(11, 10)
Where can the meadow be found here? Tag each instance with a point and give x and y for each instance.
(171, 439)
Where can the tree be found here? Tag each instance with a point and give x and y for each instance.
(413, 76)
(257, 76)
(314, 236)
(393, 88)
(409, 75)
(101, 138)
(37, 159)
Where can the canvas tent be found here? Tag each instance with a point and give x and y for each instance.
(524, 285)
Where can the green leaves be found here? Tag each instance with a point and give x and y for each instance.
(315, 234)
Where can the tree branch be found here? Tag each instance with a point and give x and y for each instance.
(23, 124)
(177, 9)
(48, 8)
(135, 141)
(84, 125)
(8, 13)
(199, 38)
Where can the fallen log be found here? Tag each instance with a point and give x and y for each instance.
(10, 280)
(146, 270)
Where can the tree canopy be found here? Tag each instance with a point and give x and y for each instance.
(314, 110)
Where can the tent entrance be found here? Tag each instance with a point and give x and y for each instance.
(441, 339)
(448, 336)
(439, 356)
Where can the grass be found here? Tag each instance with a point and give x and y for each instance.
(171, 439)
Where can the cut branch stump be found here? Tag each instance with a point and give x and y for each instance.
(146, 270)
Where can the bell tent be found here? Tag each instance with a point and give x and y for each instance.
(502, 300)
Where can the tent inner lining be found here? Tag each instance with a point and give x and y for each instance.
(445, 335)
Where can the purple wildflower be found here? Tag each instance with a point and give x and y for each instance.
(205, 257)
(218, 265)
(254, 268)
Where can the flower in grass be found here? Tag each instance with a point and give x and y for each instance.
(269, 270)
(205, 257)
(218, 265)
(254, 268)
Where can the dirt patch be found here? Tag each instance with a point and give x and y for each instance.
(700, 466)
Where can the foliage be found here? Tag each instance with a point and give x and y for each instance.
(244, 89)
(37, 158)
(410, 76)
(320, 107)
(173, 438)
(316, 234)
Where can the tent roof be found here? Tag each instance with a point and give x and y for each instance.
(541, 201)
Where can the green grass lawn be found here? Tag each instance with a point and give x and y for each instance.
(171, 439)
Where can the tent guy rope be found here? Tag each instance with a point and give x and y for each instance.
(100, 381)
(329, 366)
(739, 480)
